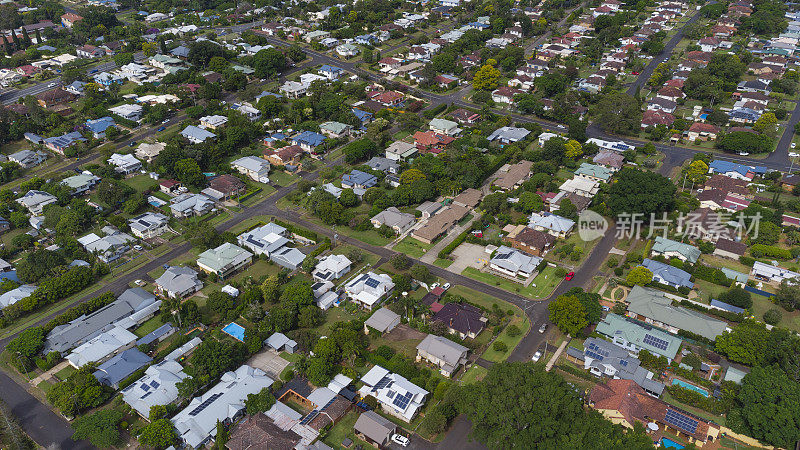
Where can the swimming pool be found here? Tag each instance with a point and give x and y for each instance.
(669, 443)
(235, 330)
(689, 386)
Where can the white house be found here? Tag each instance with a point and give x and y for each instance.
(396, 395)
(149, 225)
(331, 267)
(368, 289)
(125, 164)
(224, 260)
(178, 282)
(264, 240)
(255, 168)
(35, 201)
(514, 263)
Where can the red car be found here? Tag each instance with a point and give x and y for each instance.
(569, 276)
(634, 73)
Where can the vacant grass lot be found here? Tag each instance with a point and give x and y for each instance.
(524, 324)
(412, 247)
(544, 286)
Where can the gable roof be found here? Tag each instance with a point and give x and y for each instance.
(672, 275)
(664, 245)
(615, 326)
(444, 349)
(655, 305)
(463, 318)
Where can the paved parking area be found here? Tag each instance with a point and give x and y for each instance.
(270, 362)
(467, 255)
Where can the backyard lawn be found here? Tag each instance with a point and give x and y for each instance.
(140, 182)
(412, 247)
(344, 429)
(524, 324)
(474, 374)
(149, 326)
(282, 178)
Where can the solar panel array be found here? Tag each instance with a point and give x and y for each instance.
(649, 339)
(624, 362)
(155, 384)
(681, 421)
(372, 282)
(402, 401)
(309, 417)
(385, 382)
(595, 352)
(205, 404)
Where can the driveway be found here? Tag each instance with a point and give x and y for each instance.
(270, 362)
(467, 255)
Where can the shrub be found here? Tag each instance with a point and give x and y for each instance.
(773, 316)
(500, 346)
(513, 331)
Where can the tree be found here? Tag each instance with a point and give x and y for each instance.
(149, 49)
(773, 316)
(158, 434)
(619, 113)
(189, 172)
(568, 314)
(530, 202)
(519, 404)
(637, 191)
(766, 123)
(639, 275)
(400, 261)
(260, 402)
(486, 78)
(743, 141)
(697, 171)
(411, 175)
(28, 343)
(573, 149)
(270, 288)
(768, 402)
(747, 343)
(348, 198)
(421, 273)
(737, 296)
(100, 428)
(788, 296)
(269, 62)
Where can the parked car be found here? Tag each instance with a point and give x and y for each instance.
(536, 356)
(137, 247)
(131, 143)
(794, 144)
(400, 439)
(477, 233)
(793, 154)
(53, 84)
(446, 286)
(569, 276)
(162, 128)
(743, 153)
(543, 328)
(634, 73)
(139, 282)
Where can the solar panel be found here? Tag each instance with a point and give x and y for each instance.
(681, 421)
(373, 283)
(391, 394)
(155, 384)
(649, 339)
(624, 362)
(385, 381)
(145, 387)
(402, 401)
(205, 404)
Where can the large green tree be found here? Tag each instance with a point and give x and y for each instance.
(619, 113)
(568, 314)
(637, 191)
(101, 428)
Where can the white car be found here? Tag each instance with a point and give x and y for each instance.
(543, 328)
(446, 286)
(793, 154)
(54, 84)
(536, 356)
(139, 282)
(743, 153)
(434, 286)
(794, 144)
(137, 247)
(400, 439)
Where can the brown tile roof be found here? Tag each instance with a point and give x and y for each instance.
(441, 222)
(533, 239)
(728, 184)
(470, 198)
(331, 414)
(227, 184)
(258, 432)
(463, 318)
(516, 173)
(731, 246)
(700, 127)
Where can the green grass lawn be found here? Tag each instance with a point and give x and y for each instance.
(789, 320)
(257, 270)
(140, 182)
(282, 178)
(443, 263)
(541, 290)
(344, 429)
(149, 326)
(412, 247)
(524, 324)
(65, 372)
(474, 374)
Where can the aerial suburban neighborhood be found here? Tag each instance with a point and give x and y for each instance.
(444, 224)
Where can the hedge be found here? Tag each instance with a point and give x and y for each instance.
(572, 370)
(695, 337)
(711, 274)
(433, 112)
(298, 231)
(696, 399)
(727, 315)
(761, 250)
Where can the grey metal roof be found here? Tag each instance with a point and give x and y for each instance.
(443, 348)
(383, 320)
(655, 305)
(670, 274)
(121, 366)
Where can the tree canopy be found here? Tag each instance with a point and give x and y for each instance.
(637, 191)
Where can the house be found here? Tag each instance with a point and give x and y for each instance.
(121, 366)
(331, 267)
(108, 78)
(667, 274)
(440, 223)
(396, 395)
(655, 308)
(28, 158)
(514, 263)
(369, 289)
(551, 223)
(393, 218)
(279, 342)
(662, 105)
(531, 241)
(463, 319)
(582, 186)
(158, 386)
(109, 247)
(733, 170)
(81, 183)
(465, 117)
(359, 179)
(610, 159)
(624, 402)
(197, 135)
(505, 95)
(335, 129)
(430, 142)
(308, 140)
(178, 282)
(605, 360)
(260, 431)
(101, 347)
(727, 248)
(383, 321)
(149, 225)
(374, 429)
(400, 150)
(224, 403)
(213, 122)
(246, 109)
(224, 260)
(225, 187)
(255, 168)
(447, 355)
(347, 50)
(670, 93)
(469, 198)
(89, 51)
(387, 98)
(771, 273)
(444, 126)
(514, 176)
(673, 249)
(652, 118)
(125, 164)
(99, 126)
(593, 172)
(288, 258)
(634, 337)
(384, 165)
(702, 131)
(330, 72)
(128, 112)
(68, 20)
(264, 240)
(35, 201)
(15, 295)
(293, 89)
(508, 135)
(189, 205)
(285, 156)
